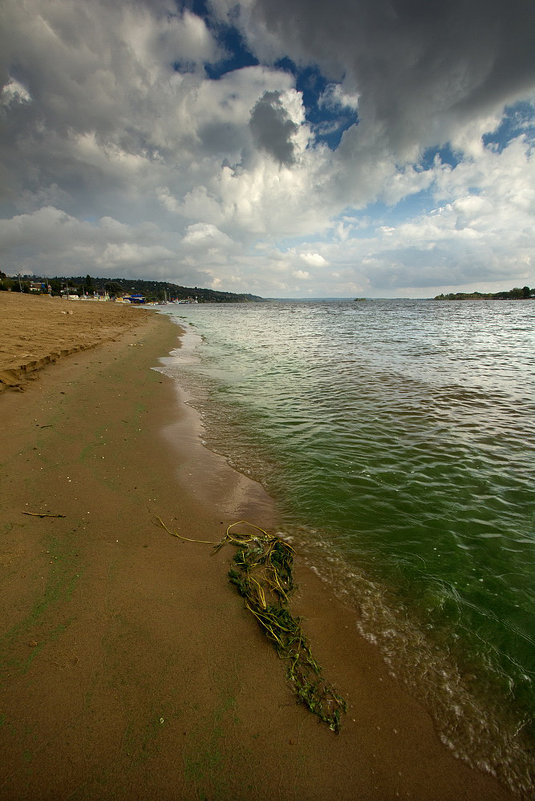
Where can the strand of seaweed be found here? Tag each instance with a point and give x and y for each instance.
(263, 576)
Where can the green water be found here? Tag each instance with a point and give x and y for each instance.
(398, 440)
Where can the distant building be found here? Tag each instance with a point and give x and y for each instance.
(70, 293)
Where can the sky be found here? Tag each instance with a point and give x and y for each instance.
(286, 148)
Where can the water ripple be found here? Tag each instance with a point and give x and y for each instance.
(399, 439)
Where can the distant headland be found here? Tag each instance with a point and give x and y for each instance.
(523, 293)
(144, 291)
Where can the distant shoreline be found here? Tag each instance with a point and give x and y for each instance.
(523, 293)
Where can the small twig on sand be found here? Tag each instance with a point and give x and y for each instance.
(41, 514)
(180, 537)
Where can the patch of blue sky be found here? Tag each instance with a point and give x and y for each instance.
(228, 37)
(359, 224)
(411, 206)
(518, 119)
(327, 120)
(238, 56)
(309, 240)
(309, 81)
(331, 129)
(444, 153)
(364, 223)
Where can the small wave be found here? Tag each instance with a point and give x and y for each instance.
(468, 720)
(408, 481)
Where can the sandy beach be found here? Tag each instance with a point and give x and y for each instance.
(129, 667)
(36, 330)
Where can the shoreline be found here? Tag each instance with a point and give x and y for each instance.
(130, 667)
(473, 722)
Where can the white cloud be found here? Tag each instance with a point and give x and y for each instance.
(119, 153)
(14, 92)
(474, 237)
(313, 259)
(334, 97)
(205, 235)
(131, 256)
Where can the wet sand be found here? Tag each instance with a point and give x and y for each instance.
(129, 668)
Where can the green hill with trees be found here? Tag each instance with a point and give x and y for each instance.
(156, 291)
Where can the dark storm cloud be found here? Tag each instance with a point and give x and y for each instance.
(412, 61)
(137, 139)
(272, 127)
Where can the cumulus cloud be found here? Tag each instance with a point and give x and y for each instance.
(334, 97)
(313, 259)
(272, 127)
(471, 238)
(129, 148)
(414, 65)
(14, 92)
(206, 236)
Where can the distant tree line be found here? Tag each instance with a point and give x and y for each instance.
(518, 293)
(119, 287)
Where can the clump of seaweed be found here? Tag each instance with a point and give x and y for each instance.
(263, 576)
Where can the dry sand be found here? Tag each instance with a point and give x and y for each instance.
(36, 330)
(129, 668)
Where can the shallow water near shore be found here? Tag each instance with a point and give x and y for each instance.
(397, 438)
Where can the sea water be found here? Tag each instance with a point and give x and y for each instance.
(398, 439)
